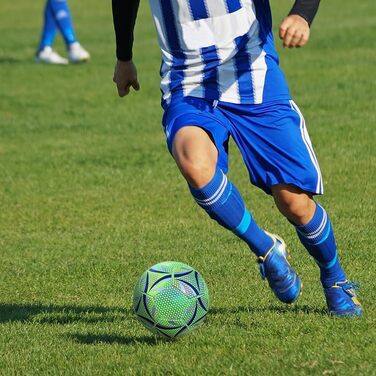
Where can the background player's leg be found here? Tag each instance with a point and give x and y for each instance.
(314, 229)
(45, 53)
(49, 28)
(196, 156)
(64, 22)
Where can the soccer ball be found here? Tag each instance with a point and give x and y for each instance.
(171, 299)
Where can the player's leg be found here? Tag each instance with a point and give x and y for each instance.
(62, 15)
(196, 156)
(49, 28)
(198, 145)
(277, 150)
(63, 18)
(45, 53)
(279, 155)
(315, 231)
(318, 238)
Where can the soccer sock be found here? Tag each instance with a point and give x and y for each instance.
(318, 238)
(49, 28)
(222, 201)
(63, 19)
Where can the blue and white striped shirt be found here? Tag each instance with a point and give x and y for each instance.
(218, 50)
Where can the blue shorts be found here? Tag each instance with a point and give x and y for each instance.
(272, 138)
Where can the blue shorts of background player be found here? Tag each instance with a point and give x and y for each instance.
(277, 151)
(57, 17)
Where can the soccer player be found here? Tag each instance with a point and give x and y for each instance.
(57, 16)
(221, 78)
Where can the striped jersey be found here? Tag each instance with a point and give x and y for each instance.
(218, 50)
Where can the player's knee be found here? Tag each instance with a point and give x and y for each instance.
(197, 170)
(296, 210)
(195, 155)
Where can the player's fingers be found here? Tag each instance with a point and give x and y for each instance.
(298, 42)
(303, 40)
(288, 37)
(123, 93)
(136, 85)
(283, 28)
(295, 39)
(282, 32)
(123, 90)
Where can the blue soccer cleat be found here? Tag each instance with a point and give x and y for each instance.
(281, 277)
(342, 300)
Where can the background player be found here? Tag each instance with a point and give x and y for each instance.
(57, 16)
(220, 77)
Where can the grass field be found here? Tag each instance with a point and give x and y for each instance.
(89, 198)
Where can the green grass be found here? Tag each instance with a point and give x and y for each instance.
(89, 198)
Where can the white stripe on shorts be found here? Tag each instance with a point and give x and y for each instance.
(307, 142)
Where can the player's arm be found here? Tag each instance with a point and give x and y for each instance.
(295, 28)
(124, 14)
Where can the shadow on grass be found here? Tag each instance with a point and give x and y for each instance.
(61, 314)
(65, 314)
(28, 60)
(12, 60)
(295, 309)
(94, 339)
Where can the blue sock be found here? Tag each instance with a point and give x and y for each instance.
(49, 28)
(63, 19)
(318, 237)
(222, 201)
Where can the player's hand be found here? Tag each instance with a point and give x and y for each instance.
(294, 31)
(125, 76)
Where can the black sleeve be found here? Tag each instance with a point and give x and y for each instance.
(306, 9)
(124, 14)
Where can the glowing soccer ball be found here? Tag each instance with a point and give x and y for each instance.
(171, 299)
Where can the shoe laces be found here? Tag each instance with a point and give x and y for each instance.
(261, 260)
(262, 269)
(349, 287)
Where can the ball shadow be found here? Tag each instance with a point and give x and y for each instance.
(66, 314)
